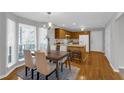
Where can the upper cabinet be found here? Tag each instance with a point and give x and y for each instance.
(64, 34)
(75, 35)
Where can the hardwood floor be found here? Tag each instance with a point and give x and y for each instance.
(95, 67)
(13, 76)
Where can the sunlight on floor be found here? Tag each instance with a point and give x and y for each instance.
(82, 77)
(18, 78)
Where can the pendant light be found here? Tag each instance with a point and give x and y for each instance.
(49, 20)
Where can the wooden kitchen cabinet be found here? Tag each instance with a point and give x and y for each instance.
(62, 34)
(82, 49)
(56, 33)
(59, 33)
(75, 35)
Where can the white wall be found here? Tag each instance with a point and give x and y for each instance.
(120, 41)
(114, 38)
(2, 43)
(97, 41)
(108, 42)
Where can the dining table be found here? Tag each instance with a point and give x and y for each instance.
(55, 57)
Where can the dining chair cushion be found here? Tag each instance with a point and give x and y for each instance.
(42, 64)
(29, 62)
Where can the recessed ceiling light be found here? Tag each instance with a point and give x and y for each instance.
(82, 29)
(74, 23)
(63, 24)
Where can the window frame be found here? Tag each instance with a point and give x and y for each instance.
(12, 55)
(35, 32)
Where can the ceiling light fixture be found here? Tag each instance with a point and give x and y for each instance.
(63, 25)
(82, 29)
(49, 22)
(74, 23)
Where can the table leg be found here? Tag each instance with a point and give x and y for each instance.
(57, 70)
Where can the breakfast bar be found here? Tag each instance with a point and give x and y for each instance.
(79, 48)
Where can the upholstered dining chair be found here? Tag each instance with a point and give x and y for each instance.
(65, 60)
(43, 66)
(29, 62)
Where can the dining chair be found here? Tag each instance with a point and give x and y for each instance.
(65, 60)
(29, 62)
(43, 66)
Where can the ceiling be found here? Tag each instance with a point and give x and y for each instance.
(73, 21)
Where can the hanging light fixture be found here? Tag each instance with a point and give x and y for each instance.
(49, 28)
(49, 22)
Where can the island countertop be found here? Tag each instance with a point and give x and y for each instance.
(76, 45)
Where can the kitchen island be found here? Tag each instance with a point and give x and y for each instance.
(77, 47)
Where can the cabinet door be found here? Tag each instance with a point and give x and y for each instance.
(62, 34)
(67, 34)
(56, 33)
(59, 33)
(75, 35)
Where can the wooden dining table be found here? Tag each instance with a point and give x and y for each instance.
(56, 56)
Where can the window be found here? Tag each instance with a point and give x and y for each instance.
(11, 43)
(27, 39)
(43, 39)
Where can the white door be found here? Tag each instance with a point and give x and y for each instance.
(84, 40)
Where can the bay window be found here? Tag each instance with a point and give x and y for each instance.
(26, 39)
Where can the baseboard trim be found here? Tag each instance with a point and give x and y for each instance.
(6, 74)
(121, 67)
(114, 69)
(101, 52)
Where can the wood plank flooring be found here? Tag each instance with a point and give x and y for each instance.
(95, 67)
